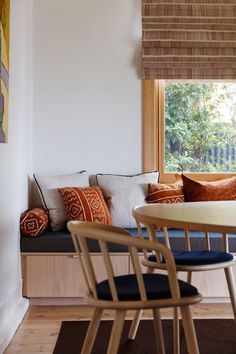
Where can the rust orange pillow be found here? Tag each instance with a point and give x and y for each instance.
(196, 191)
(33, 222)
(85, 204)
(165, 193)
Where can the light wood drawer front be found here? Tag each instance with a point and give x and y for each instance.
(53, 276)
(61, 276)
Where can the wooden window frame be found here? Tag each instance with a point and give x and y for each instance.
(154, 138)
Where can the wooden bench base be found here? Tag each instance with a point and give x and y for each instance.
(56, 278)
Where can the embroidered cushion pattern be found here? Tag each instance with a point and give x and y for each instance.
(195, 191)
(33, 222)
(85, 204)
(165, 193)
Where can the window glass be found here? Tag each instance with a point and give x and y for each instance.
(200, 127)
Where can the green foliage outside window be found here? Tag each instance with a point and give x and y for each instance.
(200, 127)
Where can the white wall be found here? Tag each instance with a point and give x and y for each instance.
(87, 93)
(15, 166)
(86, 108)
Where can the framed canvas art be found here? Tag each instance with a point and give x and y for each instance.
(4, 46)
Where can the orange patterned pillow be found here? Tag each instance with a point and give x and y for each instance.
(195, 191)
(33, 222)
(165, 193)
(85, 204)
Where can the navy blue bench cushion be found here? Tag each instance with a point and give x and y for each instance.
(156, 285)
(198, 257)
(61, 241)
(48, 241)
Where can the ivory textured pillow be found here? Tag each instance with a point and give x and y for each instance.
(48, 188)
(123, 193)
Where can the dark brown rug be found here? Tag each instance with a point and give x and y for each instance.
(214, 337)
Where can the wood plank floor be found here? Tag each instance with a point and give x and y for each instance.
(39, 329)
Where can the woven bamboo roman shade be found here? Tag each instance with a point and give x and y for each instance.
(189, 39)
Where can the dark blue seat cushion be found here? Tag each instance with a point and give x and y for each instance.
(61, 241)
(198, 257)
(156, 285)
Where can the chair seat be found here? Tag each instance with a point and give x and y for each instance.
(156, 285)
(198, 257)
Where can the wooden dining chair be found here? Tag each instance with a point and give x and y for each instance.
(188, 261)
(131, 291)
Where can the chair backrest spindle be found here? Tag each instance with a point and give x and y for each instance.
(207, 241)
(137, 268)
(109, 269)
(187, 240)
(88, 266)
(141, 237)
(78, 250)
(166, 237)
(225, 242)
(152, 236)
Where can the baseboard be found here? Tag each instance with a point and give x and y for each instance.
(12, 311)
(76, 301)
(215, 300)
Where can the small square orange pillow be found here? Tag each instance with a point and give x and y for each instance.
(196, 191)
(33, 222)
(85, 204)
(165, 193)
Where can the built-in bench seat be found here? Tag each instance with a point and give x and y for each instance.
(61, 241)
(52, 272)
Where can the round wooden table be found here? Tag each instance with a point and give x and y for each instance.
(201, 216)
(219, 217)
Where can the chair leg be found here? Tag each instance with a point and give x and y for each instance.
(189, 330)
(135, 323)
(92, 331)
(231, 286)
(176, 333)
(158, 331)
(116, 332)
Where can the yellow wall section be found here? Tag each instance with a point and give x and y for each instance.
(5, 14)
(5, 17)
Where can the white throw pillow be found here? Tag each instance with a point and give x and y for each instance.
(52, 200)
(123, 193)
